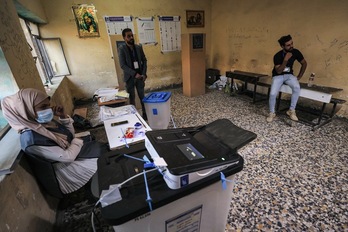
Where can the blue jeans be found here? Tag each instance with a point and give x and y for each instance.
(277, 82)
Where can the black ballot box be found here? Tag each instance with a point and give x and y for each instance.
(200, 206)
(211, 75)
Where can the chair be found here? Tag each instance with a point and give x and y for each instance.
(45, 174)
(95, 185)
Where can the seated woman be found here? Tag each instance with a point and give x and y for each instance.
(30, 113)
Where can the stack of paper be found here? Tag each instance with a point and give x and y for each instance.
(107, 98)
(106, 112)
(102, 92)
(109, 94)
(122, 94)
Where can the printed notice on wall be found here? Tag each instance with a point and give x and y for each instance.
(115, 24)
(146, 30)
(170, 33)
(188, 221)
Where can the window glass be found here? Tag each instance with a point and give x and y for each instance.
(48, 53)
(7, 87)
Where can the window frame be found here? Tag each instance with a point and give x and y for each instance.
(4, 130)
(9, 140)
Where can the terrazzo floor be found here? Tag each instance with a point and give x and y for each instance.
(294, 178)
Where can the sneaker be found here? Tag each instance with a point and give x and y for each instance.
(270, 117)
(292, 115)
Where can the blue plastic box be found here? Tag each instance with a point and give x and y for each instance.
(157, 106)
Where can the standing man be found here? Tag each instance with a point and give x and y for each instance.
(282, 73)
(134, 65)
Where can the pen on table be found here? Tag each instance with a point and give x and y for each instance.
(125, 140)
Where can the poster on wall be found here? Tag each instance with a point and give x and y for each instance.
(86, 20)
(170, 33)
(146, 30)
(115, 24)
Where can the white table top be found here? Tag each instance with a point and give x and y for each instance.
(115, 134)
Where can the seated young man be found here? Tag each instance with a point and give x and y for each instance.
(283, 73)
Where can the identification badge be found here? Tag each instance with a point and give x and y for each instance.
(136, 65)
(286, 69)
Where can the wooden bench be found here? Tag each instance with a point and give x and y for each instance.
(335, 101)
(246, 77)
(317, 93)
(266, 85)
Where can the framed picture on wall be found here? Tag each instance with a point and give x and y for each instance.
(197, 41)
(195, 18)
(86, 20)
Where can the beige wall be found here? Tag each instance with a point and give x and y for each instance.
(246, 32)
(35, 7)
(90, 59)
(23, 206)
(240, 35)
(16, 49)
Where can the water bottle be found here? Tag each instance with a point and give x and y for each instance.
(311, 80)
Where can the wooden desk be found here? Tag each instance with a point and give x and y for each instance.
(247, 77)
(116, 102)
(115, 134)
(321, 94)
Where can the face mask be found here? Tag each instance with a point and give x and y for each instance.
(44, 116)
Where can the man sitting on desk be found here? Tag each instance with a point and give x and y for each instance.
(134, 65)
(282, 73)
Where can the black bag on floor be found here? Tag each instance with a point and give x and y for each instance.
(81, 122)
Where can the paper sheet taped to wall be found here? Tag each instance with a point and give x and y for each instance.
(170, 33)
(115, 24)
(146, 30)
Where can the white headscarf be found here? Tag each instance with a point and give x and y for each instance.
(19, 111)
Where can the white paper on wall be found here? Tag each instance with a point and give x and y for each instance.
(170, 33)
(146, 30)
(115, 24)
